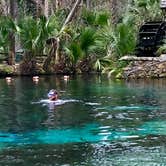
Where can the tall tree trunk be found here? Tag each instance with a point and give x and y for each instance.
(57, 3)
(88, 4)
(69, 17)
(4, 7)
(11, 60)
(46, 8)
(54, 6)
(39, 7)
(54, 51)
(114, 12)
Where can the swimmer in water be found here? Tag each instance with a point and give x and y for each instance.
(53, 95)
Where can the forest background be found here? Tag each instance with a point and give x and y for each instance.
(70, 36)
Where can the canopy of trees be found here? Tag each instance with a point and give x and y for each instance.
(72, 35)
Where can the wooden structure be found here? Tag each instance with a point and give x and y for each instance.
(151, 36)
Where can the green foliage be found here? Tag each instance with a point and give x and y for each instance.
(102, 18)
(102, 63)
(116, 69)
(162, 49)
(29, 34)
(88, 17)
(75, 52)
(147, 10)
(100, 42)
(125, 40)
(87, 39)
(34, 33)
(79, 47)
(141, 3)
(95, 39)
(6, 69)
(92, 18)
(7, 25)
(90, 37)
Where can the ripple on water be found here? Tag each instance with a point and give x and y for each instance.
(128, 108)
(92, 104)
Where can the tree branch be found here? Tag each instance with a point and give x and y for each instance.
(68, 19)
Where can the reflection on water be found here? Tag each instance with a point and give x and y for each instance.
(101, 122)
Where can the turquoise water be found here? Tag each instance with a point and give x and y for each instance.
(97, 121)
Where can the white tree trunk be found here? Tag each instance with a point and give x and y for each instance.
(69, 17)
(46, 8)
(114, 12)
(4, 7)
(88, 4)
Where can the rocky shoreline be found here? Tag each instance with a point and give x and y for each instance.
(145, 67)
(139, 67)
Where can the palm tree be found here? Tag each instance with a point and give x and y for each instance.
(46, 8)
(8, 30)
(87, 47)
(145, 10)
(113, 7)
(13, 9)
(60, 35)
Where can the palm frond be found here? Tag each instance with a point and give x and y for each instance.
(101, 63)
(88, 17)
(87, 39)
(75, 52)
(102, 18)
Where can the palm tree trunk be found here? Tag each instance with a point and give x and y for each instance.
(39, 7)
(114, 12)
(46, 8)
(4, 6)
(53, 6)
(11, 60)
(88, 4)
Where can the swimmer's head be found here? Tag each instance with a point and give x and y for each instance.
(53, 94)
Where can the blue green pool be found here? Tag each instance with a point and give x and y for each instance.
(99, 122)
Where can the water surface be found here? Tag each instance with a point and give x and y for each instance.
(97, 121)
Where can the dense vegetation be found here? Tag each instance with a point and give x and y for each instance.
(74, 36)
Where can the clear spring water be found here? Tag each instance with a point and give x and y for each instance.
(97, 122)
